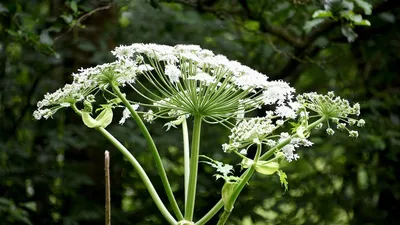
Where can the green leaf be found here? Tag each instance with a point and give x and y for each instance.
(246, 163)
(89, 121)
(74, 6)
(348, 5)
(67, 18)
(105, 117)
(266, 167)
(283, 179)
(365, 6)
(363, 23)
(312, 23)
(102, 120)
(349, 33)
(30, 205)
(226, 193)
(322, 14)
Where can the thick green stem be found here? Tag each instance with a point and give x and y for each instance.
(224, 217)
(239, 187)
(245, 179)
(266, 155)
(154, 151)
(186, 156)
(194, 163)
(146, 181)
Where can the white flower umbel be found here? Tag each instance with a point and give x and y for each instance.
(86, 83)
(333, 109)
(194, 81)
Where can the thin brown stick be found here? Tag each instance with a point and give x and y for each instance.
(107, 182)
(81, 19)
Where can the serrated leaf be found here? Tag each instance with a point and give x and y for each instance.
(322, 14)
(349, 33)
(266, 167)
(283, 179)
(365, 6)
(312, 23)
(226, 193)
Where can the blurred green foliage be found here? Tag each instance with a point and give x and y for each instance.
(51, 172)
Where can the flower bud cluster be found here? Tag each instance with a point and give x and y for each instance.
(335, 109)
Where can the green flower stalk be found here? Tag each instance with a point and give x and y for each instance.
(186, 83)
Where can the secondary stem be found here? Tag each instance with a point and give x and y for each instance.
(194, 162)
(154, 151)
(142, 174)
(186, 156)
(224, 217)
(266, 155)
(107, 182)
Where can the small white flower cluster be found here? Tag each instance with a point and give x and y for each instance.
(289, 149)
(126, 114)
(87, 81)
(249, 131)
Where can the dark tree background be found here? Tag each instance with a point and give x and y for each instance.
(51, 172)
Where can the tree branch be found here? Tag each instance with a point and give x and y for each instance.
(81, 19)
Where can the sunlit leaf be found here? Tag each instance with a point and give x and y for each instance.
(322, 14)
(365, 6)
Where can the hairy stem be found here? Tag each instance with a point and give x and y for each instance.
(142, 174)
(154, 151)
(194, 161)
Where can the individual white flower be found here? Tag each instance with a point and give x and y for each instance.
(173, 73)
(243, 151)
(353, 134)
(330, 131)
(361, 123)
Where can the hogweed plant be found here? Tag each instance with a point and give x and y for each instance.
(185, 83)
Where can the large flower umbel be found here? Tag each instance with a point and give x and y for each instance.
(189, 80)
(175, 81)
